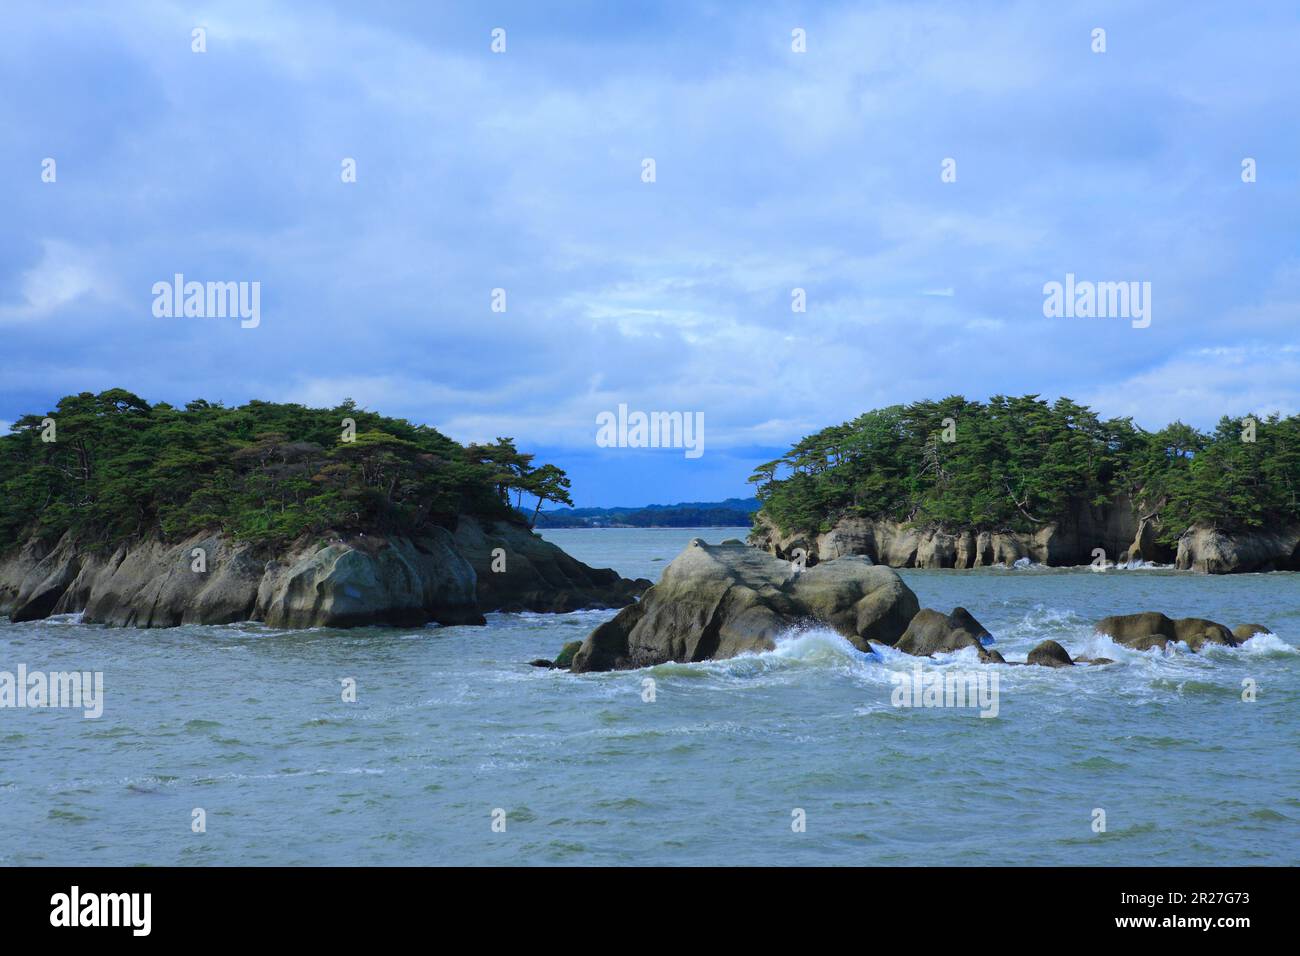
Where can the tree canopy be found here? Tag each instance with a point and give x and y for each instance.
(117, 466)
(1017, 463)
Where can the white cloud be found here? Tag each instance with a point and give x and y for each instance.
(1202, 385)
(818, 171)
(63, 275)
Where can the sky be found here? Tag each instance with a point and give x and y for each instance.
(774, 170)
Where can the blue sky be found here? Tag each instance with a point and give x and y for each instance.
(775, 170)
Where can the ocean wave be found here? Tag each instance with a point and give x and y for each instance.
(805, 648)
(1020, 564)
(797, 650)
(583, 614)
(63, 620)
(1140, 565)
(817, 644)
(1042, 621)
(1261, 645)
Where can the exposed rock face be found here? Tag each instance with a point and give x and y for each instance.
(567, 652)
(1153, 629)
(563, 660)
(519, 571)
(1244, 632)
(932, 632)
(717, 601)
(1050, 654)
(1217, 552)
(318, 583)
(368, 581)
(1115, 527)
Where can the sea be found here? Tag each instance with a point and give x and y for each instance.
(238, 744)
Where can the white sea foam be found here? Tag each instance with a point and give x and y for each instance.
(1265, 645)
(64, 620)
(1140, 565)
(1020, 564)
(813, 644)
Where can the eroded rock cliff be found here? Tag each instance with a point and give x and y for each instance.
(1117, 528)
(438, 576)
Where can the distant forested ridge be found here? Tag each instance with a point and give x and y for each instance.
(1018, 463)
(731, 513)
(111, 466)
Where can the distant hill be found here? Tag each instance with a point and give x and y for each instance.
(732, 513)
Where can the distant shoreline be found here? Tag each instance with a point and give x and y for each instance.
(647, 527)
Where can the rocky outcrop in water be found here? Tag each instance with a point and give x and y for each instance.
(1049, 654)
(933, 632)
(1218, 552)
(1244, 632)
(563, 661)
(1153, 629)
(328, 582)
(717, 601)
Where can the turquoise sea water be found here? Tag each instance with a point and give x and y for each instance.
(451, 724)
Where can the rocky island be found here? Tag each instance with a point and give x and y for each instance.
(154, 516)
(967, 484)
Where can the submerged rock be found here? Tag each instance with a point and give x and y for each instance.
(1144, 642)
(717, 601)
(1049, 654)
(1244, 632)
(1153, 629)
(565, 657)
(563, 661)
(933, 632)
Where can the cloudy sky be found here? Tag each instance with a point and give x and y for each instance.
(774, 170)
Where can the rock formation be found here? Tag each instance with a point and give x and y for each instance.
(932, 632)
(518, 570)
(1115, 527)
(1153, 629)
(1218, 552)
(1049, 654)
(717, 601)
(439, 576)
